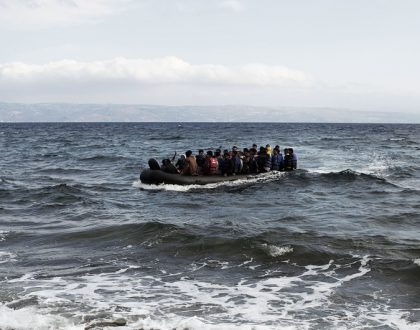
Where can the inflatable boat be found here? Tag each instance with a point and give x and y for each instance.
(149, 176)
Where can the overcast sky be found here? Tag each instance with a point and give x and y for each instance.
(359, 54)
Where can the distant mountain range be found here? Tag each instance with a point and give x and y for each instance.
(64, 112)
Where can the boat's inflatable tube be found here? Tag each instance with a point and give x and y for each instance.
(157, 177)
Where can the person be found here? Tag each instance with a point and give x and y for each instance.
(294, 159)
(277, 163)
(180, 164)
(264, 161)
(288, 159)
(252, 162)
(153, 164)
(168, 167)
(268, 148)
(236, 162)
(227, 165)
(219, 158)
(200, 159)
(190, 164)
(246, 162)
(210, 164)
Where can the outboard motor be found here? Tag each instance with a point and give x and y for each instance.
(153, 164)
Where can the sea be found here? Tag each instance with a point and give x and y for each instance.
(332, 245)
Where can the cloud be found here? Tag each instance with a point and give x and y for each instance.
(167, 70)
(234, 5)
(29, 14)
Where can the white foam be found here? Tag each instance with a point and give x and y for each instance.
(270, 176)
(168, 303)
(250, 305)
(31, 318)
(7, 257)
(276, 251)
(378, 166)
(3, 235)
(417, 261)
(196, 323)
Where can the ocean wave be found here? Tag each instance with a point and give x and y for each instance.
(270, 301)
(6, 257)
(3, 235)
(31, 318)
(276, 251)
(62, 171)
(167, 138)
(52, 196)
(57, 188)
(265, 247)
(102, 158)
(344, 176)
(170, 238)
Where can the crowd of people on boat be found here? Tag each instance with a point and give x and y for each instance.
(230, 162)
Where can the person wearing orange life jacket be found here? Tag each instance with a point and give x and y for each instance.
(210, 164)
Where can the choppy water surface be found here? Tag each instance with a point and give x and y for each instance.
(334, 245)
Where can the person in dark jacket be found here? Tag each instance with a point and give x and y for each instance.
(219, 158)
(246, 162)
(288, 159)
(200, 158)
(294, 159)
(263, 160)
(168, 167)
(252, 162)
(227, 165)
(236, 162)
(180, 164)
(277, 163)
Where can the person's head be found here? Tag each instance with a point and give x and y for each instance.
(277, 147)
(254, 146)
(217, 153)
(188, 153)
(218, 150)
(200, 151)
(253, 151)
(234, 148)
(262, 149)
(210, 153)
(275, 151)
(182, 157)
(245, 150)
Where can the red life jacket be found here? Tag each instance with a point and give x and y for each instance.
(213, 165)
(210, 166)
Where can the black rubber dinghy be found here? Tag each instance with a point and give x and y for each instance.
(157, 177)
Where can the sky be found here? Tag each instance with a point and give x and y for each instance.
(355, 54)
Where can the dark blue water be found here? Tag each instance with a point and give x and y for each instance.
(333, 245)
